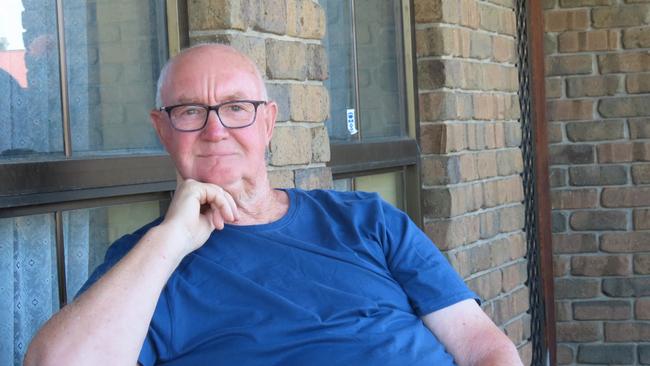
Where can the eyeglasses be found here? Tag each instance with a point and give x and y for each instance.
(194, 117)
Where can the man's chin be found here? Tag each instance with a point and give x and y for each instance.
(221, 179)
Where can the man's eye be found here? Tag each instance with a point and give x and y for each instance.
(235, 108)
(191, 111)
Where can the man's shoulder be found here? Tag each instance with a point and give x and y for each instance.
(122, 245)
(117, 251)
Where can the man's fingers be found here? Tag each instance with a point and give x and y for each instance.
(215, 204)
(221, 201)
(198, 209)
(233, 206)
(217, 220)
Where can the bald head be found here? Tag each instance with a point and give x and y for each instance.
(207, 52)
(211, 75)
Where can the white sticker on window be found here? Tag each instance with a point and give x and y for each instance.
(352, 122)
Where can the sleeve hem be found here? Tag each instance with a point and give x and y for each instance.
(429, 308)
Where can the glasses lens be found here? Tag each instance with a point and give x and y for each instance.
(188, 117)
(237, 114)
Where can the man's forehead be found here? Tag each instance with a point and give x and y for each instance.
(234, 76)
(231, 83)
(185, 97)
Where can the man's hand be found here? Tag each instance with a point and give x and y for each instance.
(196, 210)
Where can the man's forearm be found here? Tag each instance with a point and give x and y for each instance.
(108, 323)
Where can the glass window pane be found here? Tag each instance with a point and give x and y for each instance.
(381, 95)
(88, 233)
(390, 186)
(114, 54)
(28, 282)
(30, 100)
(344, 185)
(381, 112)
(338, 45)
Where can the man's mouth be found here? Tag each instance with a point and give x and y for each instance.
(215, 154)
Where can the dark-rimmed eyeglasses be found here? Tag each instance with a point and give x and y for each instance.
(194, 117)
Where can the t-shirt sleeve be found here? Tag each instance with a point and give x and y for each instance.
(115, 252)
(430, 282)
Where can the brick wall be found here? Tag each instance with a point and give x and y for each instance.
(598, 90)
(284, 38)
(470, 137)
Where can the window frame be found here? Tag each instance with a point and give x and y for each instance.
(43, 184)
(359, 158)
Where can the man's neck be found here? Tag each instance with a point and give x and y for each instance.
(260, 204)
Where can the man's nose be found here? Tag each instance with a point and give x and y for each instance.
(214, 128)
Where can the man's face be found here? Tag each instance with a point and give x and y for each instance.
(215, 154)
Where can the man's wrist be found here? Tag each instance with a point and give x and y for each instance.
(169, 241)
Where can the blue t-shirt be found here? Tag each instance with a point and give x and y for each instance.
(341, 279)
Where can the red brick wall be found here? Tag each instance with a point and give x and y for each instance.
(598, 90)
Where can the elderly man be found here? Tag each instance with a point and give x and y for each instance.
(238, 273)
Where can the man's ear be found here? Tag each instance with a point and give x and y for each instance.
(270, 113)
(161, 126)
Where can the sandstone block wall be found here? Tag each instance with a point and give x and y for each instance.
(284, 38)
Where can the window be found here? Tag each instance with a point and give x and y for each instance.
(390, 186)
(31, 256)
(79, 160)
(372, 105)
(94, 100)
